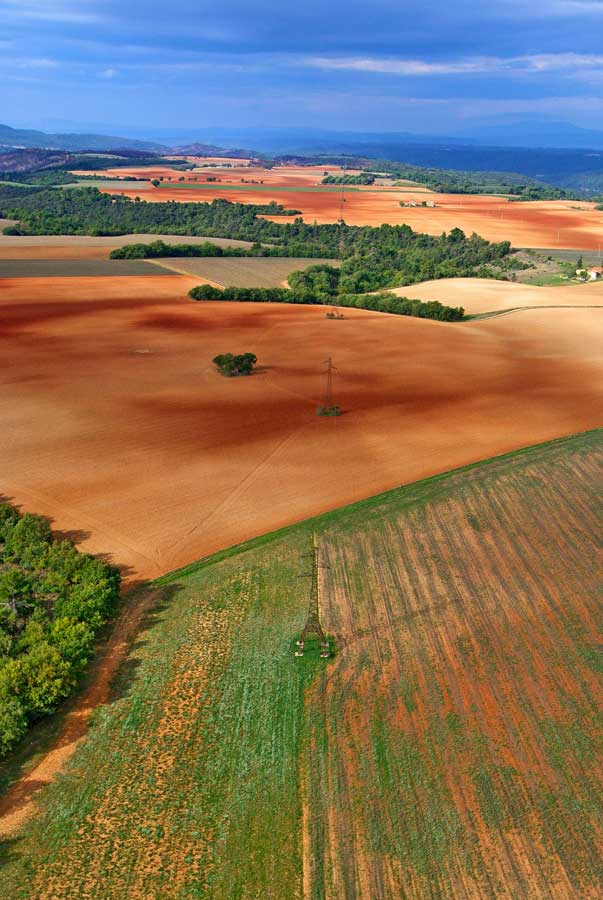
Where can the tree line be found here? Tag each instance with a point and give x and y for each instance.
(53, 601)
(159, 249)
(379, 302)
(363, 178)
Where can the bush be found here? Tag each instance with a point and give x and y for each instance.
(230, 365)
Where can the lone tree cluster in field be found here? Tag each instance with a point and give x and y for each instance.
(230, 365)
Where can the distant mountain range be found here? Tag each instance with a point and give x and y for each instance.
(12, 138)
(535, 132)
(573, 158)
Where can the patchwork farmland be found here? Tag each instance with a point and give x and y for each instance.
(449, 749)
(542, 223)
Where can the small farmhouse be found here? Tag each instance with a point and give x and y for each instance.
(594, 273)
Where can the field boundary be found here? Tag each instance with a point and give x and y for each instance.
(170, 268)
(504, 312)
(37, 764)
(342, 511)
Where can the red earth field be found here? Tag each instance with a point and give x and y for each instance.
(551, 223)
(118, 427)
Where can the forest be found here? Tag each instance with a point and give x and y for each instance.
(159, 249)
(372, 258)
(53, 602)
(450, 181)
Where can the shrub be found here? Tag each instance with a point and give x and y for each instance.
(230, 365)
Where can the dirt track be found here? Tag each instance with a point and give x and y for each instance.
(117, 426)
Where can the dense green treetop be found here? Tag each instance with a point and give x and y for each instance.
(53, 600)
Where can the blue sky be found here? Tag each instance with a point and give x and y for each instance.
(387, 65)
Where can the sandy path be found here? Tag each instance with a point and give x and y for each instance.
(115, 423)
(18, 804)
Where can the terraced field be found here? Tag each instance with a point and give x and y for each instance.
(451, 748)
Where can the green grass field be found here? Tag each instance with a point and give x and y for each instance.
(450, 748)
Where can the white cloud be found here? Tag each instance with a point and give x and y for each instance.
(542, 62)
(42, 63)
(24, 62)
(108, 73)
(66, 11)
(400, 66)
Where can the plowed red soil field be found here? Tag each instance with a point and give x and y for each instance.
(552, 223)
(116, 424)
(235, 174)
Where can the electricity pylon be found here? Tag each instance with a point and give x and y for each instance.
(328, 408)
(313, 625)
